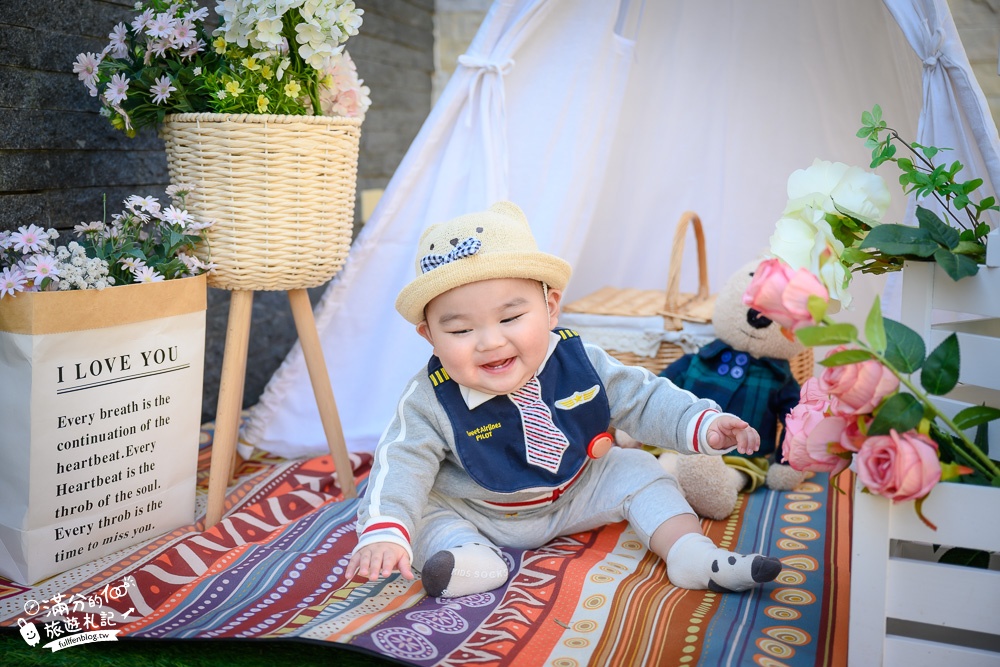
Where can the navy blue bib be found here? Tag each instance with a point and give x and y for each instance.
(489, 439)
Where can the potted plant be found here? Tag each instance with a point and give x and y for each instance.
(102, 350)
(263, 115)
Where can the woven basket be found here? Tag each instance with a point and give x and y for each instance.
(675, 307)
(280, 189)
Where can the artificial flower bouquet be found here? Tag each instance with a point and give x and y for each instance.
(866, 409)
(265, 56)
(144, 243)
(832, 225)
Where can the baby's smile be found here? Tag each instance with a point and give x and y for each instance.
(498, 365)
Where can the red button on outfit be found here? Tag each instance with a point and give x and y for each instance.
(600, 445)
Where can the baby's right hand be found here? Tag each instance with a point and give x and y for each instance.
(379, 559)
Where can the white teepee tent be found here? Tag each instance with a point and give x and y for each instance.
(604, 121)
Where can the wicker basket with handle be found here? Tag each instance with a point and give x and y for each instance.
(280, 188)
(674, 306)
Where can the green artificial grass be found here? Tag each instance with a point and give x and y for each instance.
(185, 653)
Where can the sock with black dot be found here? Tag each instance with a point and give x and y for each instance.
(695, 562)
(465, 570)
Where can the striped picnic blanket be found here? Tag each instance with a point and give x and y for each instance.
(274, 568)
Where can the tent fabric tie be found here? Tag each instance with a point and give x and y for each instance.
(482, 67)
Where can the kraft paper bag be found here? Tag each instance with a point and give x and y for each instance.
(100, 411)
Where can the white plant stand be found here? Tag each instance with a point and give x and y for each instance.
(907, 609)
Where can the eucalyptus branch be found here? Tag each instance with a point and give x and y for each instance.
(929, 167)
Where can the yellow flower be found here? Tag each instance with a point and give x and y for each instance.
(266, 72)
(327, 81)
(251, 64)
(262, 103)
(220, 45)
(292, 88)
(233, 88)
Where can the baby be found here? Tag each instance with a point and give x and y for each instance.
(502, 440)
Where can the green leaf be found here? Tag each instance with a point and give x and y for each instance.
(870, 223)
(846, 357)
(875, 327)
(893, 239)
(817, 307)
(982, 439)
(956, 266)
(904, 348)
(929, 151)
(974, 416)
(828, 334)
(900, 411)
(970, 247)
(852, 256)
(940, 373)
(938, 230)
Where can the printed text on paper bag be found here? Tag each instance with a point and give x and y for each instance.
(106, 454)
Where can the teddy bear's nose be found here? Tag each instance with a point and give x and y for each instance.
(756, 320)
(453, 241)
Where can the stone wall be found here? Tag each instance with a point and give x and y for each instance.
(455, 24)
(58, 157)
(978, 23)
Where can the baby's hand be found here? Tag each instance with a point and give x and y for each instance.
(379, 560)
(727, 430)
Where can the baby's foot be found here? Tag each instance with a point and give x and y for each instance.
(695, 562)
(465, 570)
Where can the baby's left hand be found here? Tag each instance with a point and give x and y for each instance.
(727, 430)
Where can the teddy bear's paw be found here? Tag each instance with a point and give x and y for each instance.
(781, 477)
(623, 439)
(710, 486)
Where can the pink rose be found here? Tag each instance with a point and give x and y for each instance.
(855, 433)
(813, 395)
(857, 389)
(782, 294)
(899, 467)
(812, 441)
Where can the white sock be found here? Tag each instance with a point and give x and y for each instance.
(465, 570)
(695, 562)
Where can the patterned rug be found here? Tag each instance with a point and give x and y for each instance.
(274, 568)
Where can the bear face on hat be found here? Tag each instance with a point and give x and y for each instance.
(495, 243)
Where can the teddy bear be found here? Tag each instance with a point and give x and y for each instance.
(746, 371)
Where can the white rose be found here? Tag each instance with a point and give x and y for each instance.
(852, 188)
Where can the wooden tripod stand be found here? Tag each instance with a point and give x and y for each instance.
(227, 419)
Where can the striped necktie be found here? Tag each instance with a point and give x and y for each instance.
(544, 442)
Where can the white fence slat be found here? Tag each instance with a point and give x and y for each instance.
(919, 653)
(966, 515)
(950, 596)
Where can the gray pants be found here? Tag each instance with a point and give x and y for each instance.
(624, 485)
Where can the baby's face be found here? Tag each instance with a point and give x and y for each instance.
(491, 335)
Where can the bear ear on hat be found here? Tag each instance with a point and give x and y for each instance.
(511, 210)
(427, 234)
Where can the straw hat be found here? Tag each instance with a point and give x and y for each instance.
(495, 243)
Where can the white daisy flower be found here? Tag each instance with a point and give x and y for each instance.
(147, 274)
